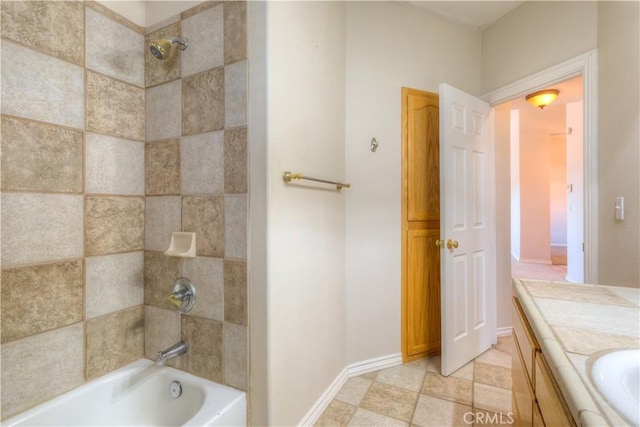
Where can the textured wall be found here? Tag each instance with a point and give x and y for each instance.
(72, 197)
(196, 180)
(83, 196)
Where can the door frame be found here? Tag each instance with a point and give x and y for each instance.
(587, 66)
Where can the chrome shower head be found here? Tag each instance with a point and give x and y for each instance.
(162, 48)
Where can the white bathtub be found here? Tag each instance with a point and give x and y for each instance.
(139, 395)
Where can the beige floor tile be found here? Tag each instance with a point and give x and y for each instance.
(431, 411)
(466, 372)
(495, 357)
(449, 388)
(402, 376)
(365, 418)
(492, 419)
(369, 375)
(353, 390)
(505, 344)
(390, 401)
(493, 375)
(336, 414)
(490, 398)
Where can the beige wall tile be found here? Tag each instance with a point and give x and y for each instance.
(40, 297)
(156, 71)
(160, 271)
(114, 282)
(40, 157)
(114, 340)
(207, 276)
(205, 32)
(162, 329)
(40, 87)
(202, 163)
(162, 160)
(114, 49)
(40, 228)
(98, 7)
(58, 353)
(205, 217)
(164, 23)
(235, 160)
(235, 94)
(115, 108)
(114, 165)
(162, 218)
(235, 226)
(235, 356)
(52, 27)
(163, 111)
(200, 8)
(114, 224)
(204, 357)
(235, 31)
(203, 102)
(235, 292)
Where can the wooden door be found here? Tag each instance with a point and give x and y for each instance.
(420, 224)
(468, 226)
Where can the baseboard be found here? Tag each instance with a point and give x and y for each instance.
(504, 331)
(374, 364)
(560, 245)
(536, 261)
(352, 370)
(325, 399)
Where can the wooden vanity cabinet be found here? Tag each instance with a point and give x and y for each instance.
(537, 401)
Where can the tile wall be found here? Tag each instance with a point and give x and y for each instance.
(105, 151)
(196, 180)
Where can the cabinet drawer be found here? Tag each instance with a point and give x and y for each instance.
(552, 405)
(526, 340)
(523, 398)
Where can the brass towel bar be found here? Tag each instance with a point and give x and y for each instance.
(288, 176)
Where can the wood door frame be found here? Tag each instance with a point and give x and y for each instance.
(406, 92)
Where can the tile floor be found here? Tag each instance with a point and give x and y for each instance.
(415, 394)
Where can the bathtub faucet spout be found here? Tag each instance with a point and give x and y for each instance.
(171, 353)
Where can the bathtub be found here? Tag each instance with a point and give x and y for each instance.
(140, 394)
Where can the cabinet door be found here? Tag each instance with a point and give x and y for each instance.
(523, 398)
(552, 406)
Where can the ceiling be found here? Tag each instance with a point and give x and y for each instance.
(474, 14)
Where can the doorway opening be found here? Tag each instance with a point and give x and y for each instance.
(547, 194)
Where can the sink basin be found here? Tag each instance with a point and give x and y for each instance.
(616, 375)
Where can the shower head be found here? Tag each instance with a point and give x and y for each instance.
(162, 48)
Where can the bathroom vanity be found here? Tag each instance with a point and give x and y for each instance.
(559, 331)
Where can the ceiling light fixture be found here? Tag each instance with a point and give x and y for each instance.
(542, 98)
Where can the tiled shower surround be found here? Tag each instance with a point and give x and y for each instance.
(105, 152)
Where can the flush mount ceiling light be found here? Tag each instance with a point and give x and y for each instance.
(542, 98)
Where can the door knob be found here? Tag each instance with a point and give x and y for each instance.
(440, 243)
(452, 244)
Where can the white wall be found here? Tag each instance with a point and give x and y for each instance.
(575, 197)
(388, 46)
(514, 145)
(558, 190)
(305, 256)
(619, 141)
(535, 36)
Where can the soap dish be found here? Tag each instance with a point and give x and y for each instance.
(183, 244)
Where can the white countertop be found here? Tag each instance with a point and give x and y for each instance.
(573, 322)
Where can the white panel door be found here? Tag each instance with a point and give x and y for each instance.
(467, 221)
